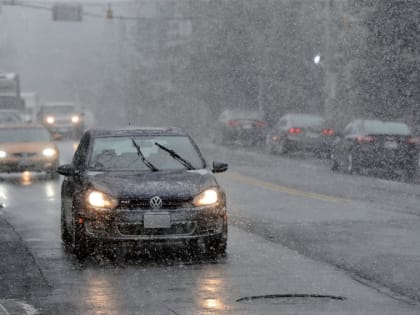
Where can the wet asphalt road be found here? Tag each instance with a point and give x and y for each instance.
(296, 230)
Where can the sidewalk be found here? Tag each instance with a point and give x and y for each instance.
(21, 281)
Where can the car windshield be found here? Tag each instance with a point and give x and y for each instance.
(307, 120)
(119, 153)
(24, 135)
(385, 127)
(61, 109)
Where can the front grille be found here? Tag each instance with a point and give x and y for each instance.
(144, 204)
(181, 228)
(24, 154)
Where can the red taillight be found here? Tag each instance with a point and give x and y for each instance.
(294, 130)
(328, 132)
(260, 124)
(365, 139)
(233, 123)
(414, 140)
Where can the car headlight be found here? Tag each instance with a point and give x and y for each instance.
(75, 119)
(3, 154)
(207, 197)
(101, 200)
(50, 119)
(49, 152)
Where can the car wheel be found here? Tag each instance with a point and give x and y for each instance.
(334, 164)
(410, 173)
(82, 244)
(282, 147)
(65, 235)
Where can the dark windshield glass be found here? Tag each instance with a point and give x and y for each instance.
(384, 127)
(62, 109)
(24, 135)
(118, 153)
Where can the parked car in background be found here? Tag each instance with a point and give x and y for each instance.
(144, 188)
(241, 125)
(27, 147)
(10, 116)
(300, 132)
(61, 119)
(386, 145)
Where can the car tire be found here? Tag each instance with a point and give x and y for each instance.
(65, 235)
(410, 172)
(82, 244)
(334, 164)
(282, 147)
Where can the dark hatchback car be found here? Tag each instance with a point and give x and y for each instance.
(142, 188)
(243, 126)
(384, 145)
(300, 132)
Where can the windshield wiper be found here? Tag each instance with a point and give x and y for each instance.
(140, 154)
(176, 156)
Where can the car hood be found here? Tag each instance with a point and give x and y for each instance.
(174, 184)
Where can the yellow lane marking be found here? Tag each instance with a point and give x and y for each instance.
(284, 189)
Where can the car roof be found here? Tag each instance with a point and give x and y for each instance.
(136, 130)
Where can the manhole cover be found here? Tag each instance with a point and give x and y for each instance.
(289, 298)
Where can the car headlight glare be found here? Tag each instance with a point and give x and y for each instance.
(3, 154)
(50, 119)
(75, 119)
(49, 152)
(206, 198)
(98, 199)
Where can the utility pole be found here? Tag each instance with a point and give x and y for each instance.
(330, 73)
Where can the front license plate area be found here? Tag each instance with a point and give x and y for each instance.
(157, 221)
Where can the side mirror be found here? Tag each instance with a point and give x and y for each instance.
(219, 167)
(66, 170)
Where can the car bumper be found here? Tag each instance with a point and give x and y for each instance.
(183, 225)
(37, 165)
(298, 143)
(386, 159)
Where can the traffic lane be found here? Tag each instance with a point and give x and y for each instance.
(314, 175)
(374, 243)
(175, 284)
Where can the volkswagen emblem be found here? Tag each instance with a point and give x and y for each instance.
(156, 202)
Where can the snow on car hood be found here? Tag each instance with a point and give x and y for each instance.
(175, 184)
